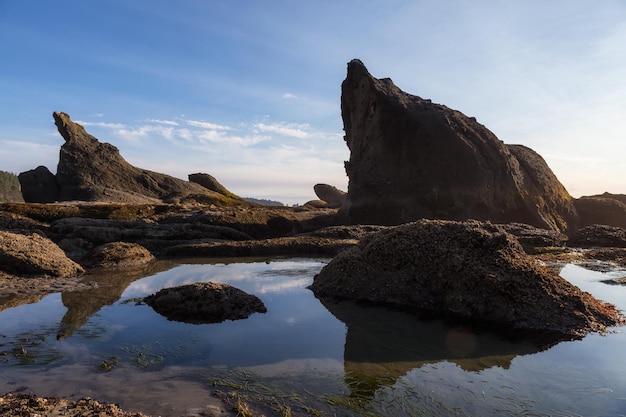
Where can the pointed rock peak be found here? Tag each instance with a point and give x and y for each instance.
(68, 129)
(357, 70)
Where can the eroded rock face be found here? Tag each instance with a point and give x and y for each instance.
(205, 302)
(34, 255)
(90, 170)
(412, 159)
(472, 270)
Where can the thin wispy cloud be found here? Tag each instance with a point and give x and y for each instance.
(284, 129)
(207, 125)
(163, 122)
(102, 124)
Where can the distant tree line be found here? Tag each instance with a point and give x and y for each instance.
(263, 201)
(10, 191)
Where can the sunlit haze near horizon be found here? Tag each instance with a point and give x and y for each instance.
(249, 92)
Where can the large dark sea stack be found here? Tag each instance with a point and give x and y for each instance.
(412, 159)
(473, 270)
(90, 170)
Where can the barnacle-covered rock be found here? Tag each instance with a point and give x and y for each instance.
(473, 270)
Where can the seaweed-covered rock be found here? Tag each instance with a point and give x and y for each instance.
(34, 255)
(206, 302)
(471, 269)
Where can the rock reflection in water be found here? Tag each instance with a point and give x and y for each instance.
(111, 284)
(383, 345)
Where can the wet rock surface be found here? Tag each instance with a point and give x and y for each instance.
(207, 302)
(470, 269)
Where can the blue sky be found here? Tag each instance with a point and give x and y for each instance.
(249, 91)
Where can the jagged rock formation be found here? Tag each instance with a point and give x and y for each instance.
(473, 270)
(89, 170)
(412, 159)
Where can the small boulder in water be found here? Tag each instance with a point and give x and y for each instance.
(205, 302)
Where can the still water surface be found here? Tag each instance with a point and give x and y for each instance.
(334, 358)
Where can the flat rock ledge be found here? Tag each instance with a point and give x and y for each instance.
(472, 270)
(205, 302)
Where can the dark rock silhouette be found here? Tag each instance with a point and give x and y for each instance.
(412, 159)
(90, 170)
(472, 270)
(39, 185)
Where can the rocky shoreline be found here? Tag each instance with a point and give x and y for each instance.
(100, 237)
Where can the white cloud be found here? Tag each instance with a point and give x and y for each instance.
(207, 125)
(215, 136)
(288, 96)
(102, 124)
(285, 129)
(163, 122)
